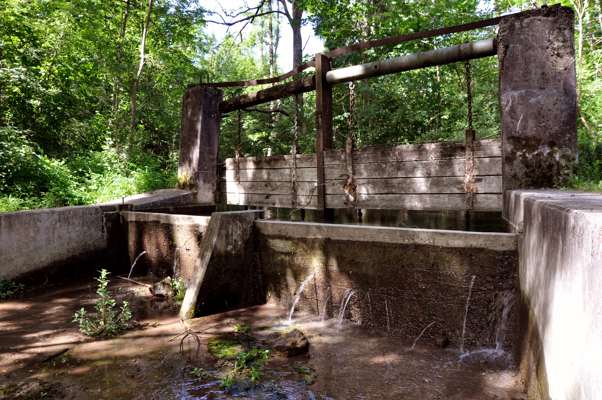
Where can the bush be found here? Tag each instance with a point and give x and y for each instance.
(9, 289)
(108, 320)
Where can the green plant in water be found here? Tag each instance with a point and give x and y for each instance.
(179, 289)
(10, 289)
(251, 363)
(242, 328)
(227, 381)
(200, 373)
(224, 348)
(109, 319)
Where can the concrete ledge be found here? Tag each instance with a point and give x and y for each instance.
(154, 199)
(377, 234)
(174, 219)
(39, 239)
(515, 202)
(560, 281)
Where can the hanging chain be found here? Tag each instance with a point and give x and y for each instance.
(468, 78)
(469, 165)
(349, 186)
(296, 125)
(237, 148)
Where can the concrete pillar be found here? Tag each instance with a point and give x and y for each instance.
(538, 98)
(199, 142)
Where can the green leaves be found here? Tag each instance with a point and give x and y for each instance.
(108, 320)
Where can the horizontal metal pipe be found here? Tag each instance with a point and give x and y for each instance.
(446, 55)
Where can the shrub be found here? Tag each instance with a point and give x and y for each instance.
(9, 289)
(109, 320)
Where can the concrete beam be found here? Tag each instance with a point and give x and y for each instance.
(380, 234)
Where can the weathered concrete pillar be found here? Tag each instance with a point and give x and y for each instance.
(538, 97)
(199, 142)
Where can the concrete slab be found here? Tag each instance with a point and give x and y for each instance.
(382, 234)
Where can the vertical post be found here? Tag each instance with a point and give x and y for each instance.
(199, 142)
(323, 130)
(538, 98)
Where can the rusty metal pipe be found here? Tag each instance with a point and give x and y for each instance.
(446, 55)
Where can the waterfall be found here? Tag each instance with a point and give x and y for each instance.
(466, 312)
(344, 302)
(298, 296)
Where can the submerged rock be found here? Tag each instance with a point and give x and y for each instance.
(163, 288)
(292, 343)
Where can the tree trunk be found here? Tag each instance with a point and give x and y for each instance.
(121, 39)
(134, 91)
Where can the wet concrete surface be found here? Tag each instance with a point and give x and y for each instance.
(42, 355)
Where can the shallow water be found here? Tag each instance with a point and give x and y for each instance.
(345, 361)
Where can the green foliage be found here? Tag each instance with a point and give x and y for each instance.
(67, 69)
(179, 288)
(200, 373)
(109, 319)
(251, 363)
(223, 348)
(9, 289)
(242, 328)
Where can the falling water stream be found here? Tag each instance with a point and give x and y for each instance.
(466, 312)
(345, 301)
(298, 296)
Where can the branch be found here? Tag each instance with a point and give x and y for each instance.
(286, 12)
(249, 18)
(275, 110)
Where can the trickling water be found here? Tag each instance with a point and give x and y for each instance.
(325, 307)
(344, 302)
(134, 263)
(466, 312)
(421, 333)
(507, 301)
(387, 312)
(298, 295)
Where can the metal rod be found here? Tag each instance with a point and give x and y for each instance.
(446, 55)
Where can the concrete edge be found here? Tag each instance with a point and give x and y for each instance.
(172, 219)
(586, 203)
(362, 233)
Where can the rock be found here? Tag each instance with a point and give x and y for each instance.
(163, 288)
(292, 343)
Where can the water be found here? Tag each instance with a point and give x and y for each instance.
(134, 263)
(507, 301)
(466, 312)
(344, 302)
(298, 296)
(497, 353)
(325, 306)
(420, 335)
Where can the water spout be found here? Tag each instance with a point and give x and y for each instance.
(507, 301)
(298, 296)
(345, 301)
(466, 312)
(134, 264)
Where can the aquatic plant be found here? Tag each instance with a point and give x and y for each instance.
(109, 320)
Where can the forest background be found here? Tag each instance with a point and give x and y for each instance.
(90, 90)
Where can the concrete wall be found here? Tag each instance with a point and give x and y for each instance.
(40, 239)
(58, 242)
(561, 291)
(403, 279)
(171, 242)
